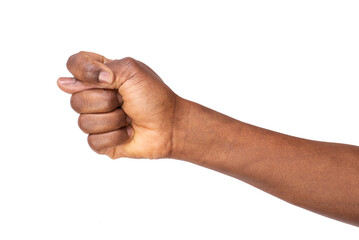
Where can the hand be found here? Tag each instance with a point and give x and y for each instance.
(124, 106)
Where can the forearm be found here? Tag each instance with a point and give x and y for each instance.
(322, 177)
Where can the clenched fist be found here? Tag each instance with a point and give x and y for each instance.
(124, 106)
(129, 112)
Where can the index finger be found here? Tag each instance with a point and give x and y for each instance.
(90, 67)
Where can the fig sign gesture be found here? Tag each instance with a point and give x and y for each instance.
(124, 106)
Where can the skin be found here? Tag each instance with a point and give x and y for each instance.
(128, 111)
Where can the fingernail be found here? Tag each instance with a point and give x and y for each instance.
(105, 77)
(66, 81)
(130, 132)
(128, 119)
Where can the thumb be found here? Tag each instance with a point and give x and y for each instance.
(72, 85)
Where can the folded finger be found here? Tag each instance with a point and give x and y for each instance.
(90, 67)
(102, 141)
(96, 101)
(103, 122)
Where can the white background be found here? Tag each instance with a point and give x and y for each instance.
(290, 66)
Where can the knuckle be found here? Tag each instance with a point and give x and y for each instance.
(91, 139)
(73, 58)
(129, 64)
(75, 103)
(70, 61)
(125, 68)
(82, 53)
(128, 61)
(82, 122)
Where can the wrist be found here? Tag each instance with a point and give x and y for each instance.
(180, 127)
(205, 137)
(199, 134)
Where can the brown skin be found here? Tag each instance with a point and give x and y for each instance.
(134, 114)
